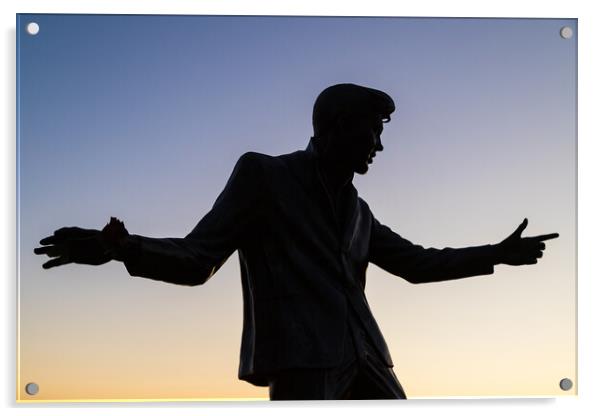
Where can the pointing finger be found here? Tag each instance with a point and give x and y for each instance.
(545, 237)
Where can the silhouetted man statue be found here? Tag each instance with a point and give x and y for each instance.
(304, 239)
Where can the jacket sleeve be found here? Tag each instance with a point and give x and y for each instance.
(192, 260)
(417, 264)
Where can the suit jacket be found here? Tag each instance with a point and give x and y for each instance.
(301, 266)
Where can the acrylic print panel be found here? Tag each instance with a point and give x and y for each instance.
(144, 117)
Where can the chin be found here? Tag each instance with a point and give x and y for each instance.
(362, 169)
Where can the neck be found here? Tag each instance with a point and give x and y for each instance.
(335, 175)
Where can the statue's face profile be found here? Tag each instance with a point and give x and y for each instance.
(357, 140)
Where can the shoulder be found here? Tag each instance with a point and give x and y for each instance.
(269, 163)
(252, 164)
(253, 159)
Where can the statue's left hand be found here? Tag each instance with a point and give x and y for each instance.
(516, 250)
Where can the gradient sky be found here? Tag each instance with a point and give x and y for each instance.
(143, 118)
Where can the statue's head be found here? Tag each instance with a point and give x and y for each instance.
(348, 121)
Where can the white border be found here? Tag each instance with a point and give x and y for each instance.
(589, 200)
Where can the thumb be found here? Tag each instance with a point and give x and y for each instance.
(521, 228)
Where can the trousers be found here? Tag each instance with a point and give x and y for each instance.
(362, 375)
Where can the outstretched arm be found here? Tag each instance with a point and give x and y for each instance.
(417, 264)
(188, 261)
(175, 260)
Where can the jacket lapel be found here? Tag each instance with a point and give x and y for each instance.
(352, 218)
(303, 165)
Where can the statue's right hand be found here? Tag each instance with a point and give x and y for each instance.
(74, 245)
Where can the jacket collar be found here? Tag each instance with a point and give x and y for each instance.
(312, 154)
(308, 173)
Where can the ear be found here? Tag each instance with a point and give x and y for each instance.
(343, 120)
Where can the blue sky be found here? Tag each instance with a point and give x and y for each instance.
(143, 117)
